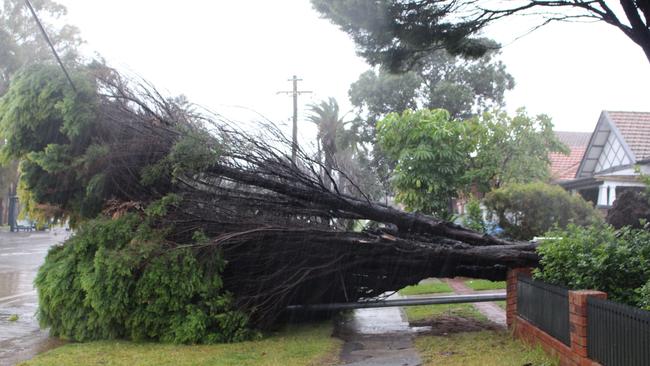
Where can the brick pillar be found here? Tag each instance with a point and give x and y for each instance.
(511, 293)
(578, 321)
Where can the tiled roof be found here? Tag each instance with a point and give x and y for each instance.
(635, 130)
(564, 167)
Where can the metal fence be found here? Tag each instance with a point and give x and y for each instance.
(617, 334)
(545, 306)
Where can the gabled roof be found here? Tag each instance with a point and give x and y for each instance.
(620, 139)
(635, 130)
(564, 167)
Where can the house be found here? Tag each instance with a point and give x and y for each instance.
(618, 149)
(564, 167)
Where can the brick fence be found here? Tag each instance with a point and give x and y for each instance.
(576, 354)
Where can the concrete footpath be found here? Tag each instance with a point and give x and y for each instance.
(491, 310)
(21, 254)
(378, 336)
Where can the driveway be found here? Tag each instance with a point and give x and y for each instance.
(20, 256)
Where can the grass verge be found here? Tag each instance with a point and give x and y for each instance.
(431, 286)
(422, 312)
(480, 285)
(296, 345)
(485, 348)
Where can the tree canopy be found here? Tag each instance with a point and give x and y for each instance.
(432, 152)
(21, 45)
(21, 42)
(437, 158)
(396, 33)
(463, 88)
(528, 210)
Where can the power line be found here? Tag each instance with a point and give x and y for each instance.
(294, 93)
(47, 39)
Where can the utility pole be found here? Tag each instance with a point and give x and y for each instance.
(294, 93)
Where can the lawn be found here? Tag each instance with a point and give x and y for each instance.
(296, 345)
(421, 312)
(429, 286)
(480, 285)
(484, 348)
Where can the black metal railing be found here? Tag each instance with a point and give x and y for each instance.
(545, 306)
(617, 334)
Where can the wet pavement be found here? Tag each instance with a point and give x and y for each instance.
(20, 256)
(378, 336)
(491, 310)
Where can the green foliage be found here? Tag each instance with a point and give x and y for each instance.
(21, 42)
(528, 210)
(512, 149)
(190, 155)
(331, 128)
(644, 296)
(159, 208)
(50, 128)
(397, 34)
(463, 87)
(117, 278)
(437, 157)
(432, 152)
(474, 217)
(439, 80)
(599, 257)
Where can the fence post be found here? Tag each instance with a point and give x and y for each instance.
(578, 322)
(511, 293)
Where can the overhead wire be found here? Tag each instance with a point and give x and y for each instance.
(49, 42)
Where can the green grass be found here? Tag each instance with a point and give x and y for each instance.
(480, 285)
(297, 345)
(501, 304)
(422, 312)
(485, 348)
(432, 286)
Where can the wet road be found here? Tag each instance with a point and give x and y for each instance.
(20, 256)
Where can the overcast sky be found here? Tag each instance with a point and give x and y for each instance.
(233, 56)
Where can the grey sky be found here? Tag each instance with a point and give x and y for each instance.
(239, 53)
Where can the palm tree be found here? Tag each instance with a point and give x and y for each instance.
(332, 136)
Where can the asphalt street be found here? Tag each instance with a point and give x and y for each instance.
(20, 256)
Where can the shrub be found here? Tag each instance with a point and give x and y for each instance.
(644, 296)
(474, 217)
(528, 210)
(599, 257)
(119, 279)
(631, 208)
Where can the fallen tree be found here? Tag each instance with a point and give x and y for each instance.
(208, 186)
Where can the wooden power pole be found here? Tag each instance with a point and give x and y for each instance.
(294, 93)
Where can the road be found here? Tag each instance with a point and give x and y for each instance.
(20, 256)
